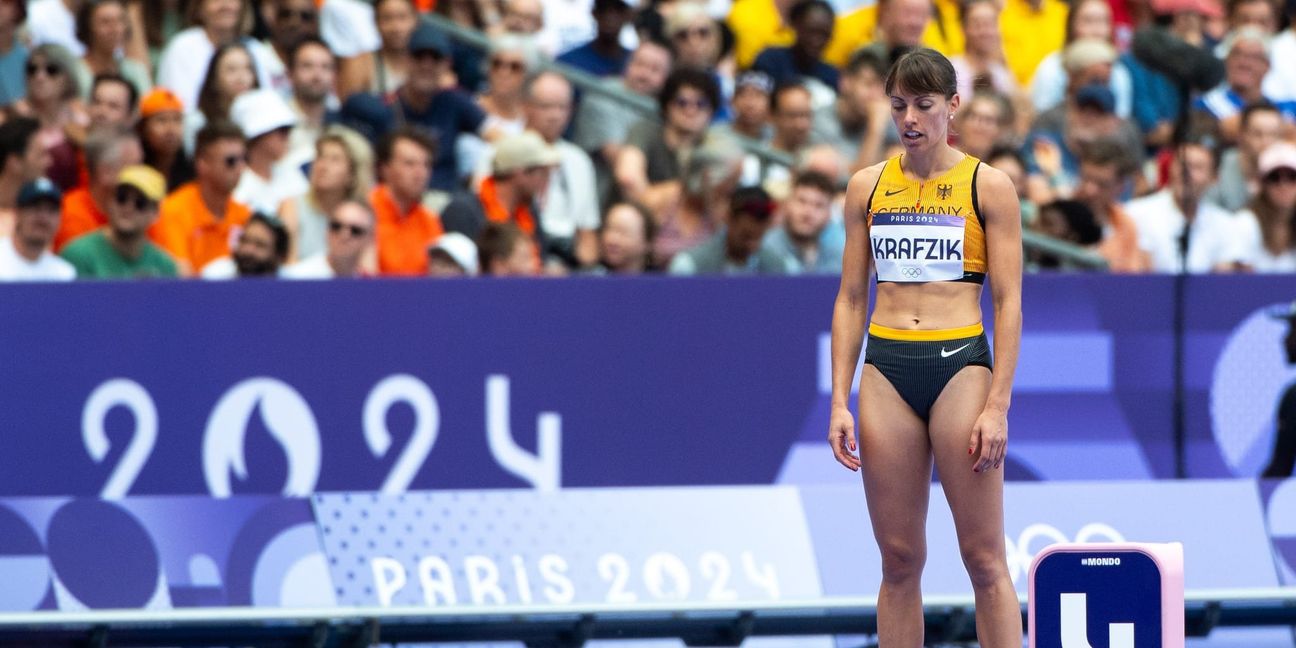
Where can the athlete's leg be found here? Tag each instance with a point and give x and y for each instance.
(976, 500)
(896, 464)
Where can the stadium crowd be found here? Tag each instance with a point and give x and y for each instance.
(336, 138)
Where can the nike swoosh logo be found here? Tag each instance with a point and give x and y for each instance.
(946, 354)
(892, 193)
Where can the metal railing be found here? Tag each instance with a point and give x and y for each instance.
(589, 84)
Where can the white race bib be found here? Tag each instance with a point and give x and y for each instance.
(910, 247)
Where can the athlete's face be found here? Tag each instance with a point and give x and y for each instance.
(922, 119)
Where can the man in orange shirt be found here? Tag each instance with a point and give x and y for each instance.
(405, 227)
(520, 173)
(1106, 170)
(197, 221)
(108, 150)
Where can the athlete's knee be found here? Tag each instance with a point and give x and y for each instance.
(985, 567)
(902, 561)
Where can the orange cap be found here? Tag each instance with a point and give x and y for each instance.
(160, 100)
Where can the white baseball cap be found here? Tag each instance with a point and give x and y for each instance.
(261, 111)
(461, 249)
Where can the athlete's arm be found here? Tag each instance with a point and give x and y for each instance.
(1002, 215)
(850, 313)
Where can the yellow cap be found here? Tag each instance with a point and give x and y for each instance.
(146, 179)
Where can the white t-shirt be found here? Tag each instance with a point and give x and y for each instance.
(265, 196)
(1216, 236)
(219, 269)
(1280, 83)
(183, 64)
(47, 267)
(316, 267)
(49, 21)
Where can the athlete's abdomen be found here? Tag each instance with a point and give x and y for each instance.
(932, 305)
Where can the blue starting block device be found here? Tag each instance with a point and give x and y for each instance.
(1107, 595)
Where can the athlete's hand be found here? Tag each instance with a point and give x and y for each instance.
(841, 436)
(989, 442)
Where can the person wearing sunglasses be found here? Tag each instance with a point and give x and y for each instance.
(1271, 214)
(648, 166)
(121, 249)
(349, 239)
(85, 209)
(512, 58)
(342, 170)
(197, 221)
(52, 100)
(699, 42)
(289, 22)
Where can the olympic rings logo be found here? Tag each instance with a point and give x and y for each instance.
(1037, 537)
(911, 272)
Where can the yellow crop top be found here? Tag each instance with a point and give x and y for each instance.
(930, 230)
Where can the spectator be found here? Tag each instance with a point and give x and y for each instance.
(102, 25)
(13, 52)
(350, 235)
(85, 209)
(161, 131)
(812, 22)
(982, 123)
(750, 107)
(604, 56)
(289, 23)
(423, 101)
(626, 240)
(735, 249)
(757, 25)
(267, 181)
(1031, 30)
(312, 70)
(858, 123)
(453, 255)
(152, 26)
(1262, 15)
(262, 248)
(793, 116)
(469, 63)
(349, 27)
(1057, 135)
(405, 228)
(1280, 83)
(52, 100)
(570, 205)
(342, 171)
(649, 161)
(897, 26)
(981, 65)
(1010, 161)
(387, 69)
(602, 123)
(1090, 20)
(697, 207)
(504, 250)
(1181, 232)
(184, 62)
(512, 59)
(520, 171)
(697, 42)
(22, 160)
(197, 221)
(1065, 220)
(809, 240)
(230, 74)
(25, 255)
(1245, 67)
(54, 22)
(1261, 126)
(523, 17)
(122, 250)
(1106, 173)
(1273, 210)
(113, 101)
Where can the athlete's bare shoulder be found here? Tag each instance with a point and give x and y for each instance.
(860, 187)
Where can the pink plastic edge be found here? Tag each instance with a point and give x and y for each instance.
(1168, 557)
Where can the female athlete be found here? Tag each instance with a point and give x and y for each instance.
(932, 223)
